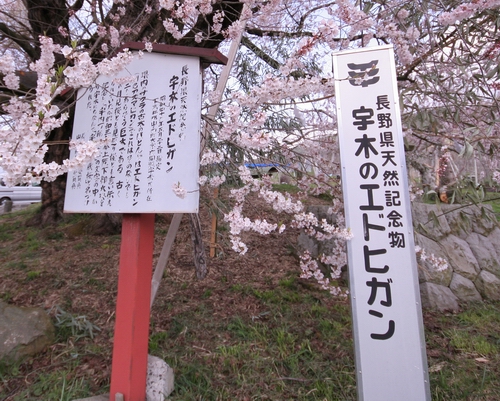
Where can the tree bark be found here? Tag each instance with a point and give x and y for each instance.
(53, 192)
(200, 261)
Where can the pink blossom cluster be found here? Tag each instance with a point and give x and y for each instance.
(8, 68)
(179, 190)
(496, 177)
(466, 10)
(401, 40)
(238, 224)
(211, 157)
(310, 269)
(321, 230)
(217, 180)
(22, 146)
(438, 263)
(355, 18)
(85, 151)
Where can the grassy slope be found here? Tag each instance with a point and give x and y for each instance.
(253, 331)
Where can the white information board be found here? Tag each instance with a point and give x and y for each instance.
(391, 362)
(152, 126)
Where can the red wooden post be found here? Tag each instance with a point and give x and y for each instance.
(130, 347)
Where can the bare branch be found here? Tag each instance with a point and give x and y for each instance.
(260, 53)
(22, 41)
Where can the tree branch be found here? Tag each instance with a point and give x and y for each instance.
(77, 6)
(278, 34)
(22, 41)
(260, 53)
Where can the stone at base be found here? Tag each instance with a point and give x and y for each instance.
(160, 381)
(159, 384)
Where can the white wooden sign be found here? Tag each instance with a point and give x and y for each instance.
(391, 362)
(152, 125)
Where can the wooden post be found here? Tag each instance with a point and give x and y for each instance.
(165, 253)
(212, 112)
(130, 348)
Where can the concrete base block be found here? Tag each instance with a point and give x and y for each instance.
(159, 385)
(160, 381)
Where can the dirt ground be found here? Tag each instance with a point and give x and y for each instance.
(62, 267)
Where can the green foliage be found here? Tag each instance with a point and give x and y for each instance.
(465, 364)
(157, 341)
(70, 326)
(494, 201)
(290, 342)
(286, 188)
(32, 275)
(57, 386)
(55, 235)
(466, 341)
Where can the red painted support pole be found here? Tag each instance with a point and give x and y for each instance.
(130, 347)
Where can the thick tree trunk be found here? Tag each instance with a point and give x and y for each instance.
(53, 192)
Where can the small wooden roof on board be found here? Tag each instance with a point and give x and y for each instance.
(207, 56)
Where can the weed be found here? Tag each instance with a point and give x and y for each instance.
(79, 246)
(5, 235)
(72, 326)
(157, 341)
(230, 350)
(55, 386)
(270, 296)
(17, 264)
(285, 342)
(6, 296)
(97, 284)
(467, 341)
(286, 188)
(8, 368)
(55, 235)
(33, 242)
(237, 287)
(176, 328)
(242, 330)
(318, 310)
(83, 244)
(289, 283)
(32, 275)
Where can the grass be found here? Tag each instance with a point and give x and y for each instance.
(493, 199)
(274, 357)
(258, 337)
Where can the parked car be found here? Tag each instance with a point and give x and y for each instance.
(21, 195)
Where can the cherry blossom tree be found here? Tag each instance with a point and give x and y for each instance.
(52, 48)
(278, 106)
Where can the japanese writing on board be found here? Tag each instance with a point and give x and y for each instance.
(376, 156)
(151, 122)
(382, 266)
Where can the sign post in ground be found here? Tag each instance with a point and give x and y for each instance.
(148, 120)
(130, 356)
(391, 363)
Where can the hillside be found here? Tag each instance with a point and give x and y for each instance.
(252, 330)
